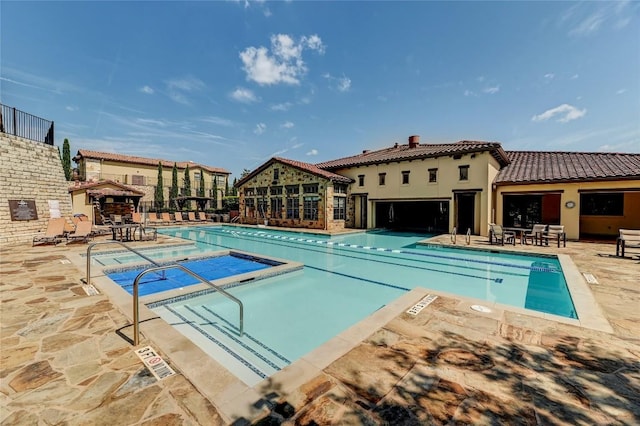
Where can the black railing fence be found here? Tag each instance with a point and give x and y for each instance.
(22, 124)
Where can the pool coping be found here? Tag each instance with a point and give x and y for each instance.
(234, 399)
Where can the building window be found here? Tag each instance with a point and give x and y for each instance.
(602, 204)
(339, 188)
(262, 191)
(137, 180)
(249, 208)
(310, 206)
(464, 172)
(276, 207)
(249, 192)
(360, 180)
(310, 189)
(339, 208)
(433, 175)
(262, 207)
(405, 177)
(276, 174)
(276, 190)
(293, 210)
(381, 178)
(293, 189)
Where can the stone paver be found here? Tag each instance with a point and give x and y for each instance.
(63, 360)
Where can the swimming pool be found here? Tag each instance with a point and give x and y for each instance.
(211, 268)
(345, 279)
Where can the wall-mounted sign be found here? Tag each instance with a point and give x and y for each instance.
(23, 209)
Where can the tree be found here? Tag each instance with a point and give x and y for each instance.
(173, 194)
(66, 159)
(158, 197)
(215, 192)
(187, 186)
(226, 186)
(244, 173)
(234, 190)
(201, 187)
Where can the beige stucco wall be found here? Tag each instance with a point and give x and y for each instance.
(123, 173)
(570, 217)
(482, 170)
(30, 171)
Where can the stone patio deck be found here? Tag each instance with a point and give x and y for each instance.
(64, 359)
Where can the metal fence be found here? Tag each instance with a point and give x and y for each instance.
(22, 124)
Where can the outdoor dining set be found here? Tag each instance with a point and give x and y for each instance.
(539, 234)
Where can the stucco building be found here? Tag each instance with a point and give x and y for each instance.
(466, 185)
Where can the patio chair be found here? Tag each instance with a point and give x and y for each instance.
(166, 218)
(82, 232)
(136, 217)
(203, 217)
(192, 217)
(535, 233)
(499, 235)
(555, 232)
(629, 238)
(54, 233)
(178, 217)
(155, 220)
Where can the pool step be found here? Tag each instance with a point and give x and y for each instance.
(247, 357)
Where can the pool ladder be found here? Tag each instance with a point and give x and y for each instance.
(157, 267)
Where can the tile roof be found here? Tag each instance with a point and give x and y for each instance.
(425, 150)
(539, 166)
(96, 155)
(88, 185)
(307, 167)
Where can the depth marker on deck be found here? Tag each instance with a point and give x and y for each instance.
(154, 362)
(590, 278)
(90, 290)
(426, 301)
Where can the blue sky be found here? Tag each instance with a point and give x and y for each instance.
(232, 84)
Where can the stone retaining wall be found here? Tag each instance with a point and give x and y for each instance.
(30, 171)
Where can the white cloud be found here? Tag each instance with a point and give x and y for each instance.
(313, 152)
(178, 87)
(287, 125)
(71, 108)
(243, 95)
(621, 91)
(565, 111)
(260, 128)
(147, 90)
(549, 76)
(281, 107)
(283, 64)
(492, 90)
(342, 84)
(588, 18)
(575, 76)
(469, 93)
(218, 121)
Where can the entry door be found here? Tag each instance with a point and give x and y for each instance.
(360, 212)
(465, 206)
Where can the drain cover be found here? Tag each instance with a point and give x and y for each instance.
(480, 308)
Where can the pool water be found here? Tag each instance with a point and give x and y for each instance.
(211, 268)
(345, 279)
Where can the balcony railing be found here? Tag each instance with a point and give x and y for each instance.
(19, 123)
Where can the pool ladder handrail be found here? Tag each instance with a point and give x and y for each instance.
(136, 313)
(88, 279)
(158, 267)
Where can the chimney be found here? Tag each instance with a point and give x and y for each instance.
(414, 141)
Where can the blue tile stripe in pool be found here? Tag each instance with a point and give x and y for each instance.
(217, 342)
(382, 249)
(248, 336)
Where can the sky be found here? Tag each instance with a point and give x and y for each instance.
(231, 84)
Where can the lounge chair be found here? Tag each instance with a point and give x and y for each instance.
(82, 232)
(629, 238)
(178, 216)
(54, 233)
(555, 232)
(535, 233)
(137, 218)
(203, 217)
(499, 235)
(166, 218)
(155, 220)
(192, 217)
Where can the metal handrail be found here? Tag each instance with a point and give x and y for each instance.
(467, 238)
(136, 313)
(453, 235)
(88, 280)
